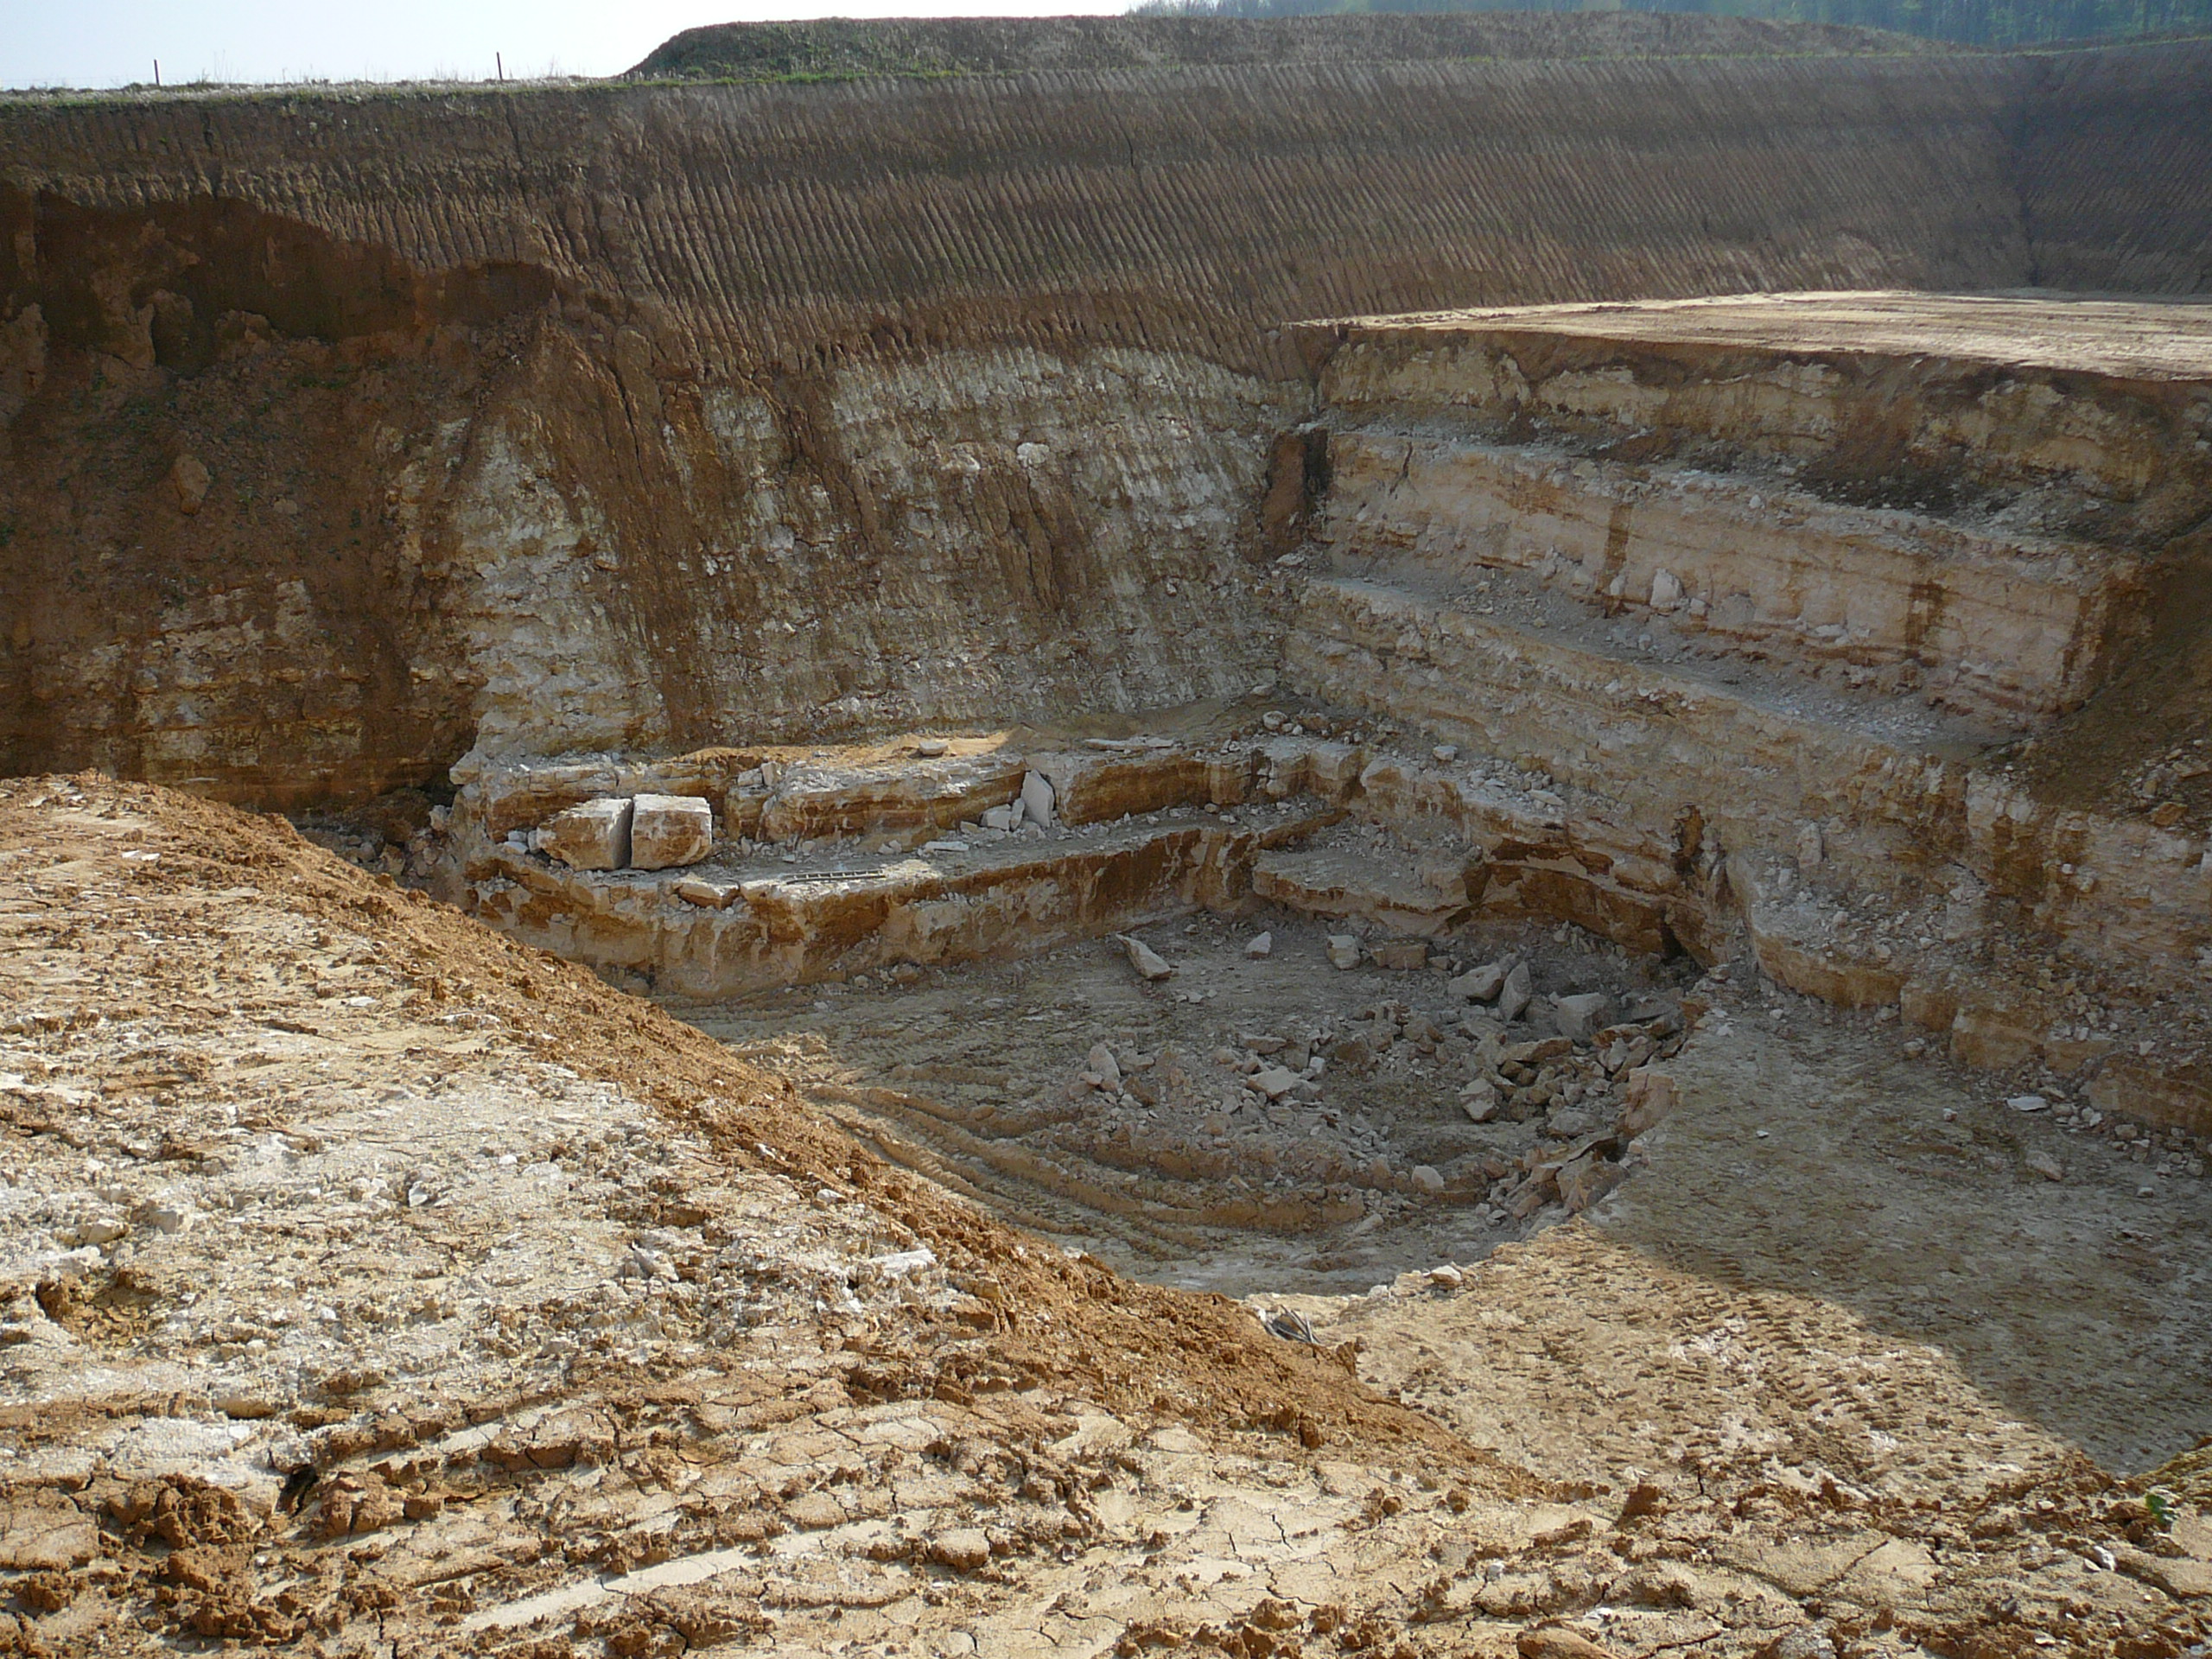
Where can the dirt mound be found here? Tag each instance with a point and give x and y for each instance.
(1051, 1316)
(370, 1279)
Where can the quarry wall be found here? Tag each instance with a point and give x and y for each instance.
(346, 433)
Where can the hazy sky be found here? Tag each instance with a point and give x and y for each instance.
(111, 42)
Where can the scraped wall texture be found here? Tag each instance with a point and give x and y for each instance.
(343, 434)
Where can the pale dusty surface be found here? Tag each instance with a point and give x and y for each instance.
(2167, 339)
(583, 1346)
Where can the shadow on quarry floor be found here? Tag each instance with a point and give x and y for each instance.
(1810, 1155)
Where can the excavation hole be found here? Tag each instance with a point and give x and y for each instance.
(1254, 1124)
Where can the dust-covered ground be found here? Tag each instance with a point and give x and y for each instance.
(1815, 1151)
(372, 1285)
(983, 1076)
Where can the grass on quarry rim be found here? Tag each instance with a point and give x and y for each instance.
(355, 93)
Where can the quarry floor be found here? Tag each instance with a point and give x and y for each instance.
(375, 1284)
(1813, 1157)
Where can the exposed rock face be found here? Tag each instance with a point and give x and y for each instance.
(754, 415)
(1736, 713)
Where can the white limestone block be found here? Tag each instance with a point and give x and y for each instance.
(1037, 799)
(668, 831)
(593, 837)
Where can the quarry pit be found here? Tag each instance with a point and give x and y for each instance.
(738, 920)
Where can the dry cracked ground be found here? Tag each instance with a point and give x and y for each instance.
(370, 1284)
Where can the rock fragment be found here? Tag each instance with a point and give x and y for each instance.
(1102, 1064)
(1479, 984)
(593, 837)
(1037, 799)
(1260, 945)
(1148, 963)
(2046, 1166)
(670, 831)
(191, 480)
(1578, 1015)
(1513, 996)
(1343, 951)
(1480, 1101)
(1427, 1179)
(1648, 1096)
(1274, 1081)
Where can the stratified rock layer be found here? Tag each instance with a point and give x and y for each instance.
(346, 433)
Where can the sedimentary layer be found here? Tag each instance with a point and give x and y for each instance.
(346, 432)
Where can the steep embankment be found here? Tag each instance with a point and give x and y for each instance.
(344, 432)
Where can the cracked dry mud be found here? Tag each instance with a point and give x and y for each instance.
(380, 1286)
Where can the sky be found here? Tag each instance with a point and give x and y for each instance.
(93, 43)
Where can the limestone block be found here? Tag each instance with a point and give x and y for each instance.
(1351, 881)
(906, 794)
(1403, 955)
(593, 837)
(1578, 1016)
(1037, 799)
(667, 831)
